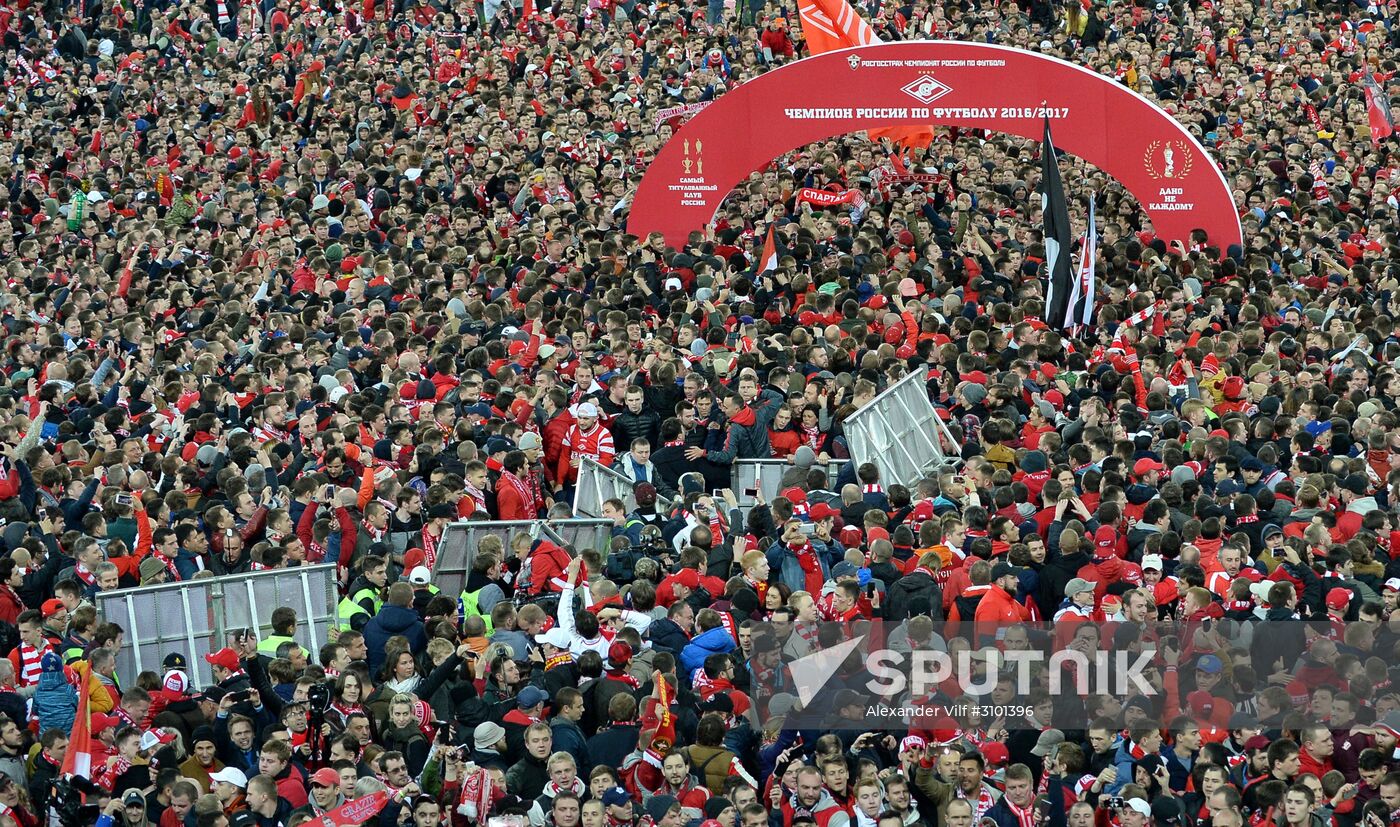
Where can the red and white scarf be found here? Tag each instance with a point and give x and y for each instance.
(31, 663)
(429, 547)
(526, 495)
(984, 801)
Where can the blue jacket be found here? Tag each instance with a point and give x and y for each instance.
(186, 563)
(569, 738)
(668, 635)
(1123, 761)
(393, 620)
(55, 701)
(717, 640)
(784, 564)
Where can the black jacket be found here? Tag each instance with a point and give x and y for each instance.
(45, 771)
(1057, 574)
(1280, 636)
(904, 592)
(628, 426)
(611, 745)
(528, 777)
(665, 634)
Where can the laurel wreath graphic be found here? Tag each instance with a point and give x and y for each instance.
(1187, 160)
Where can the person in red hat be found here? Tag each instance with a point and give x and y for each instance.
(325, 791)
(228, 670)
(1107, 566)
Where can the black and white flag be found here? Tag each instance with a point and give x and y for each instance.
(1058, 238)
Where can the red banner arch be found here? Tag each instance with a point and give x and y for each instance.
(936, 82)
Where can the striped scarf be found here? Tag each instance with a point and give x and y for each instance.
(984, 801)
(1024, 817)
(31, 660)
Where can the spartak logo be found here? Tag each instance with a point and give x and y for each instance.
(925, 89)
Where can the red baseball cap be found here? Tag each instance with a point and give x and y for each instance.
(325, 777)
(52, 606)
(225, 657)
(1146, 465)
(101, 721)
(794, 495)
(1338, 598)
(822, 511)
(1105, 541)
(619, 653)
(996, 753)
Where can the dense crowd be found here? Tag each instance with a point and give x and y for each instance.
(292, 283)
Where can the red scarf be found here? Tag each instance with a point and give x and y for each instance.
(1024, 818)
(429, 548)
(526, 495)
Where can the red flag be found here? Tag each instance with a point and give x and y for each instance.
(528, 10)
(78, 760)
(829, 25)
(357, 812)
(770, 253)
(1377, 109)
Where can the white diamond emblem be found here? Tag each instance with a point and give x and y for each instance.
(926, 89)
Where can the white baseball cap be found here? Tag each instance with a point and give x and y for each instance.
(232, 775)
(420, 576)
(1139, 806)
(1152, 561)
(587, 409)
(556, 637)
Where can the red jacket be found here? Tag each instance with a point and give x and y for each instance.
(510, 505)
(553, 435)
(10, 605)
(547, 563)
(997, 606)
(1309, 765)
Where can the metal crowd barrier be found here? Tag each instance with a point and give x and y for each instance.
(900, 433)
(457, 549)
(197, 617)
(766, 475)
(598, 484)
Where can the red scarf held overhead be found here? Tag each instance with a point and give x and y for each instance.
(827, 198)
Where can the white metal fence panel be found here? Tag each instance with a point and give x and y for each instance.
(900, 433)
